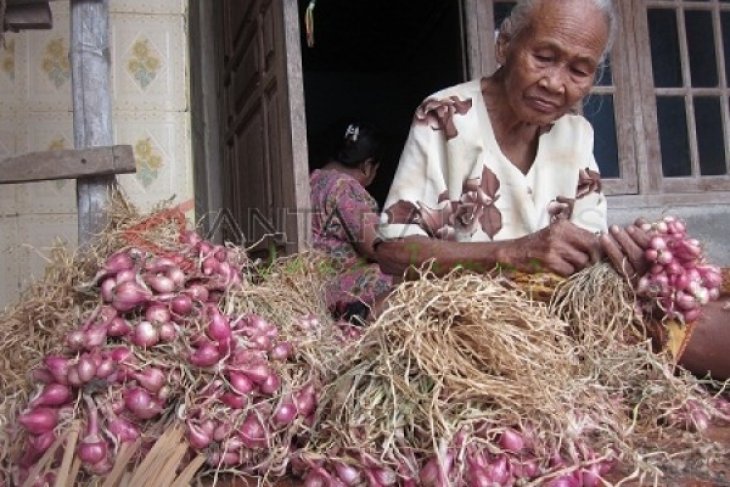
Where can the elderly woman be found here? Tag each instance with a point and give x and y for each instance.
(497, 172)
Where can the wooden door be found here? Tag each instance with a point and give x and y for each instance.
(265, 167)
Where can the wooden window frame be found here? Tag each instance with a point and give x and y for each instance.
(655, 182)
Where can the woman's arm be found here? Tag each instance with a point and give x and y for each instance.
(368, 236)
(707, 348)
(562, 248)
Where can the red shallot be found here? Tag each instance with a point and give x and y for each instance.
(39, 420)
(93, 448)
(145, 335)
(52, 395)
(129, 295)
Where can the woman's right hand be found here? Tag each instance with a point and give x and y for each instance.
(562, 248)
(624, 248)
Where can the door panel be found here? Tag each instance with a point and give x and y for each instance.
(260, 73)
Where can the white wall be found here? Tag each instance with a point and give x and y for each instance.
(149, 48)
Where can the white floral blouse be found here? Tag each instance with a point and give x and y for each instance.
(454, 183)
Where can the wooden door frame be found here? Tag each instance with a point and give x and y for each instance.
(204, 49)
(295, 147)
(476, 27)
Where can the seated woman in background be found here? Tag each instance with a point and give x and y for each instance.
(344, 219)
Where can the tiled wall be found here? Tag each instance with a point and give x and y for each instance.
(151, 112)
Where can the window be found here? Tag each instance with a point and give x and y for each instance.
(661, 109)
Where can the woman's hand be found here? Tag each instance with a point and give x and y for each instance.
(625, 248)
(561, 247)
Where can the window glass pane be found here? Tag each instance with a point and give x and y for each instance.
(664, 48)
(710, 138)
(604, 76)
(673, 136)
(701, 44)
(598, 109)
(725, 19)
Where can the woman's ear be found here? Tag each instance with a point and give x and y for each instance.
(369, 168)
(501, 47)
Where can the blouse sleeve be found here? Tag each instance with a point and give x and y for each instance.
(418, 200)
(413, 185)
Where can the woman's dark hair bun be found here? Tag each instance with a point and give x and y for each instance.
(357, 142)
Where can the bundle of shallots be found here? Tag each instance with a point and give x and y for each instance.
(680, 280)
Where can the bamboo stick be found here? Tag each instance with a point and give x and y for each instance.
(125, 454)
(68, 455)
(74, 472)
(41, 464)
(183, 480)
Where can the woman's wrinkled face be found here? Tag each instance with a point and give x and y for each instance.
(550, 66)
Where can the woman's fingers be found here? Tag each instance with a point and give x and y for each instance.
(640, 222)
(616, 257)
(631, 249)
(641, 237)
(582, 241)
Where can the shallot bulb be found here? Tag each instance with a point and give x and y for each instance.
(145, 335)
(141, 403)
(129, 295)
(198, 438)
(123, 430)
(253, 432)
(52, 395)
(160, 283)
(219, 328)
(157, 313)
(198, 292)
(511, 441)
(57, 366)
(168, 331)
(181, 305)
(39, 420)
(151, 378)
(93, 448)
(119, 261)
(205, 355)
(285, 413)
(119, 327)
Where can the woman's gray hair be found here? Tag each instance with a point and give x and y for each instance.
(519, 19)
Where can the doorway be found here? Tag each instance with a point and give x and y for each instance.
(260, 95)
(376, 60)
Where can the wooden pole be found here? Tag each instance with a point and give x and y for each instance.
(92, 112)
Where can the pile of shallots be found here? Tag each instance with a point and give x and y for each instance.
(480, 459)
(159, 348)
(680, 280)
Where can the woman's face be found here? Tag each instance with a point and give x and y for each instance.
(550, 66)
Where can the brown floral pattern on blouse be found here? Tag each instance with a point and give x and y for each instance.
(588, 182)
(475, 209)
(439, 114)
(403, 212)
(561, 208)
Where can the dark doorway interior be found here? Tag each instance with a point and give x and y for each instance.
(376, 60)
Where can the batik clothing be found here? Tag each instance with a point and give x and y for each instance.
(454, 183)
(341, 206)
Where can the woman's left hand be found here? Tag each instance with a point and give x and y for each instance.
(625, 247)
